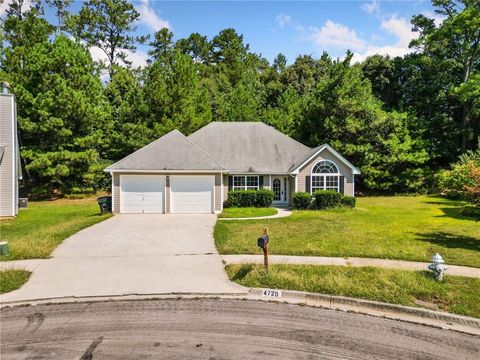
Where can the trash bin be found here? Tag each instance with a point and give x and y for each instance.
(4, 248)
(105, 203)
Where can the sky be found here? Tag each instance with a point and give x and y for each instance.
(291, 27)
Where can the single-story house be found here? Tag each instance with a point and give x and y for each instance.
(10, 168)
(180, 174)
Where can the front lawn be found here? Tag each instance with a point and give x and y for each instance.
(12, 279)
(246, 212)
(37, 231)
(406, 228)
(455, 294)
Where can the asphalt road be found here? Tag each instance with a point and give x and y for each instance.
(218, 329)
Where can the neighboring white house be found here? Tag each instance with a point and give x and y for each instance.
(194, 174)
(10, 169)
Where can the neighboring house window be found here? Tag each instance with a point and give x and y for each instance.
(325, 176)
(244, 182)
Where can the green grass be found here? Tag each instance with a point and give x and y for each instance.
(12, 279)
(455, 294)
(246, 212)
(36, 231)
(406, 228)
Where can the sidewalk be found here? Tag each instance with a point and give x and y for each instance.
(353, 261)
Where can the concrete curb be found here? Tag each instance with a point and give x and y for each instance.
(338, 302)
(421, 316)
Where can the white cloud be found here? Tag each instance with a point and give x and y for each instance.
(401, 29)
(27, 4)
(283, 19)
(336, 35)
(372, 7)
(138, 58)
(150, 17)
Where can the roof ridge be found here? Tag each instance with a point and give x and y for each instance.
(203, 151)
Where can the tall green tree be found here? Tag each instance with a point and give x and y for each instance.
(197, 47)
(343, 112)
(130, 128)
(456, 41)
(382, 73)
(175, 97)
(108, 25)
(61, 11)
(62, 113)
(161, 47)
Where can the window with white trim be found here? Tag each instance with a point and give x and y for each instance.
(325, 176)
(245, 182)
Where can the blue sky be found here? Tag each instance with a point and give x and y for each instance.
(295, 28)
(291, 27)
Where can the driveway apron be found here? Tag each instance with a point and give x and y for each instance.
(133, 254)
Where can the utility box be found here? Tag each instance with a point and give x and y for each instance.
(22, 203)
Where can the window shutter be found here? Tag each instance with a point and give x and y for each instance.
(260, 181)
(342, 184)
(230, 183)
(307, 183)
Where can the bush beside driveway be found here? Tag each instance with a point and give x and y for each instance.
(404, 228)
(37, 231)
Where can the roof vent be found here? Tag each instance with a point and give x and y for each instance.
(5, 87)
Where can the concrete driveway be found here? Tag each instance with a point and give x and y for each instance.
(133, 254)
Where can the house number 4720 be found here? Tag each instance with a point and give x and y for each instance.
(271, 293)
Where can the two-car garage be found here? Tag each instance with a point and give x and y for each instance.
(157, 194)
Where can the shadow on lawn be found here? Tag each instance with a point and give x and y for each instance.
(449, 240)
(242, 272)
(462, 213)
(457, 209)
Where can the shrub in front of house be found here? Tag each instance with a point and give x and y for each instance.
(348, 201)
(327, 199)
(301, 200)
(250, 198)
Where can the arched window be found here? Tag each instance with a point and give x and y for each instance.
(325, 167)
(325, 176)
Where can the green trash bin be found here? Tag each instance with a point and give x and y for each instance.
(105, 203)
(4, 248)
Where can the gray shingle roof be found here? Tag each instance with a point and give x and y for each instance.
(250, 147)
(320, 148)
(172, 151)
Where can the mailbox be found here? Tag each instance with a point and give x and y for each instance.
(263, 241)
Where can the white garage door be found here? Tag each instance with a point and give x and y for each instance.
(192, 194)
(142, 194)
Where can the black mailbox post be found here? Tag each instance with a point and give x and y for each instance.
(262, 243)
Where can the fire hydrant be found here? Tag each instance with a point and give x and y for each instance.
(438, 266)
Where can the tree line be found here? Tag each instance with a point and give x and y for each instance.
(400, 120)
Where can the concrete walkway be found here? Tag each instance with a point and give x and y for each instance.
(130, 254)
(281, 212)
(353, 261)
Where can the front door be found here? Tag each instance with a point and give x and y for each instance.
(279, 188)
